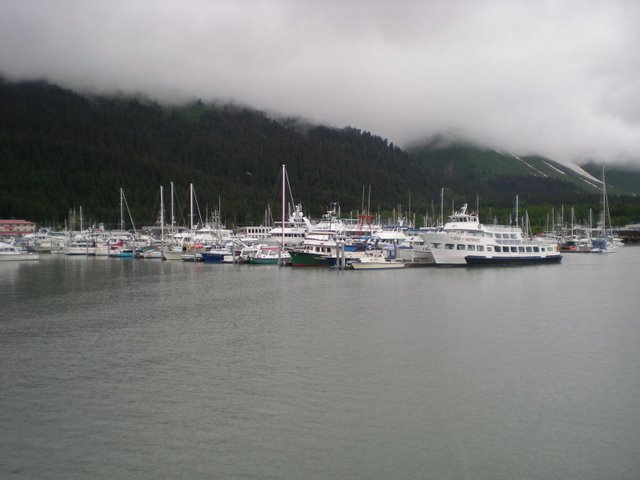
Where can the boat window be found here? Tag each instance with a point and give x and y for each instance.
(514, 236)
(449, 246)
(514, 249)
(488, 248)
(521, 249)
(529, 249)
(498, 235)
(471, 247)
(498, 249)
(460, 246)
(536, 249)
(436, 245)
(480, 248)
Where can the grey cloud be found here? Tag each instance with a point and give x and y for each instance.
(555, 78)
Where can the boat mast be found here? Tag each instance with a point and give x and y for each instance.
(121, 209)
(606, 215)
(172, 219)
(191, 208)
(442, 206)
(284, 174)
(161, 224)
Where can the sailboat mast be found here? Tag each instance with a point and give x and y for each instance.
(161, 224)
(442, 206)
(284, 174)
(121, 209)
(172, 219)
(191, 206)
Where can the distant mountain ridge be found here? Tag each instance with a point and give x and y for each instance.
(60, 150)
(484, 164)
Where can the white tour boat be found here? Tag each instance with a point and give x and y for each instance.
(463, 240)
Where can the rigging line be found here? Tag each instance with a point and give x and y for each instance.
(195, 197)
(290, 192)
(156, 202)
(129, 211)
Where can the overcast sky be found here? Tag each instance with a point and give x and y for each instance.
(559, 78)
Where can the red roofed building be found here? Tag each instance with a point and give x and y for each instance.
(16, 227)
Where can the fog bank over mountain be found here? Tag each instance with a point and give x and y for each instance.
(554, 78)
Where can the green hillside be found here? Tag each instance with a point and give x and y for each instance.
(621, 179)
(60, 150)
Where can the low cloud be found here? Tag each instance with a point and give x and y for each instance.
(554, 78)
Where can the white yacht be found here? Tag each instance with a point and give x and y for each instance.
(294, 231)
(463, 240)
(80, 246)
(9, 251)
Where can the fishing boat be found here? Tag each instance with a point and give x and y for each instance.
(216, 254)
(10, 252)
(320, 247)
(463, 240)
(269, 255)
(375, 260)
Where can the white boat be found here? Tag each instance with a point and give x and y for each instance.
(375, 260)
(80, 247)
(10, 252)
(172, 252)
(414, 250)
(46, 241)
(463, 240)
(293, 232)
(403, 243)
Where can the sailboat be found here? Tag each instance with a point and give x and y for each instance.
(123, 247)
(602, 235)
(159, 251)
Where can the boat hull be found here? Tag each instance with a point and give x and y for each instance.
(307, 259)
(172, 255)
(376, 265)
(19, 257)
(264, 261)
(475, 261)
(209, 257)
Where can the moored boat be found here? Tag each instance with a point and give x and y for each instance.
(269, 255)
(375, 260)
(463, 240)
(80, 247)
(10, 252)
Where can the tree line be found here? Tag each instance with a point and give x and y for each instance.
(60, 150)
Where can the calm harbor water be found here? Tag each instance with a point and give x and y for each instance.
(120, 368)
